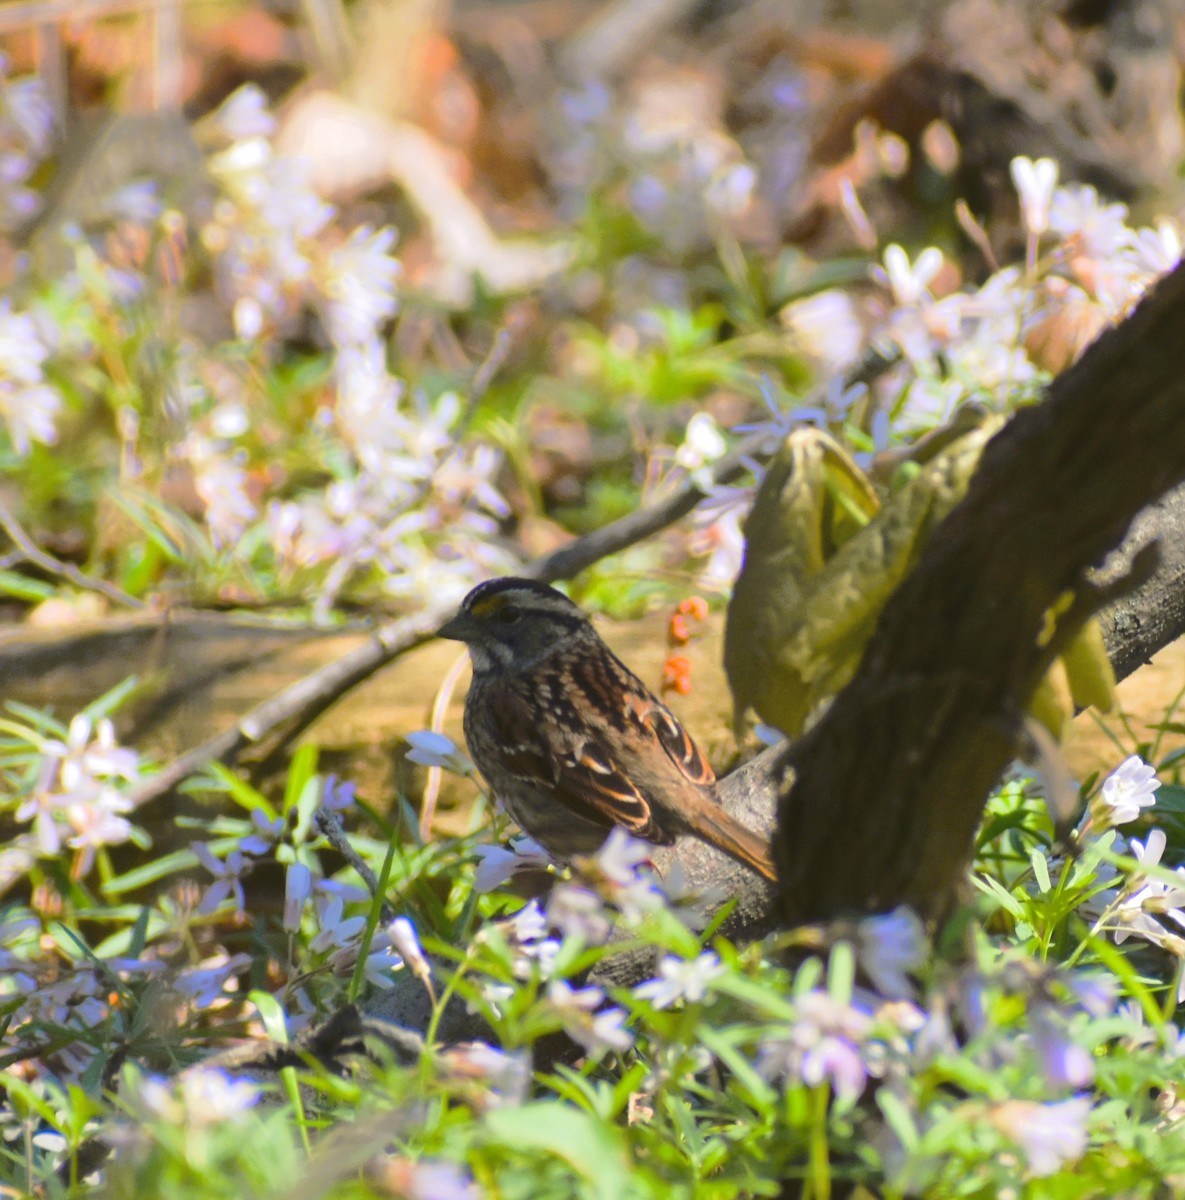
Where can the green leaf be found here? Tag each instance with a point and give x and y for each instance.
(139, 936)
(1007, 900)
(1117, 962)
(1170, 797)
(272, 1016)
(760, 996)
(898, 1118)
(179, 538)
(12, 583)
(592, 1148)
(170, 864)
(306, 809)
(302, 768)
(738, 1063)
(841, 972)
(34, 718)
(24, 1098)
(239, 790)
(113, 700)
(1040, 865)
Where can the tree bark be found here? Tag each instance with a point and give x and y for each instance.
(878, 804)
(1137, 625)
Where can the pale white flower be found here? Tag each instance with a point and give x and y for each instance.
(528, 924)
(27, 111)
(578, 912)
(298, 886)
(26, 132)
(336, 929)
(506, 1074)
(909, 281)
(337, 795)
(1135, 911)
(702, 443)
(681, 979)
(533, 951)
(17, 931)
(267, 832)
(1156, 251)
(359, 286)
(826, 1041)
(432, 749)
(718, 536)
(381, 966)
(1097, 228)
(1034, 183)
(889, 947)
(597, 1031)
(622, 873)
(828, 327)
(1127, 790)
(263, 234)
(497, 864)
(98, 823)
(433, 1180)
(221, 484)
(621, 856)
(729, 192)
(247, 314)
(381, 961)
(227, 874)
(98, 755)
(230, 420)
(1051, 1135)
(199, 1097)
(211, 979)
(77, 794)
(1064, 1062)
(244, 114)
(29, 405)
(405, 939)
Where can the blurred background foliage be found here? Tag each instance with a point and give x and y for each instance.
(253, 257)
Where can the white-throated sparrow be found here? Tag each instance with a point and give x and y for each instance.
(571, 741)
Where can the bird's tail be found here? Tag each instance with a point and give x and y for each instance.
(726, 833)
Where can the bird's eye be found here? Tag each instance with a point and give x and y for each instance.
(509, 614)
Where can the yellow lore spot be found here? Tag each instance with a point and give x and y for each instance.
(488, 606)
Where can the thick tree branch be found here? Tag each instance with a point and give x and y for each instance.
(1139, 624)
(879, 802)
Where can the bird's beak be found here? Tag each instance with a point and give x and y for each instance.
(457, 629)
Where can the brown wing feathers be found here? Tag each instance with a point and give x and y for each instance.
(585, 778)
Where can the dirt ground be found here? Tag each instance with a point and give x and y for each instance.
(218, 673)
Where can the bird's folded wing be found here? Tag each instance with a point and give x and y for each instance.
(659, 723)
(578, 770)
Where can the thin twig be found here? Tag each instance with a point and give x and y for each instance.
(570, 560)
(329, 825)
(37, 557)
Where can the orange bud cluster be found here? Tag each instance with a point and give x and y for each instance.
(676, 675)
(676, 672)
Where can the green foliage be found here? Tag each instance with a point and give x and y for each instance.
(1001, 1060)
